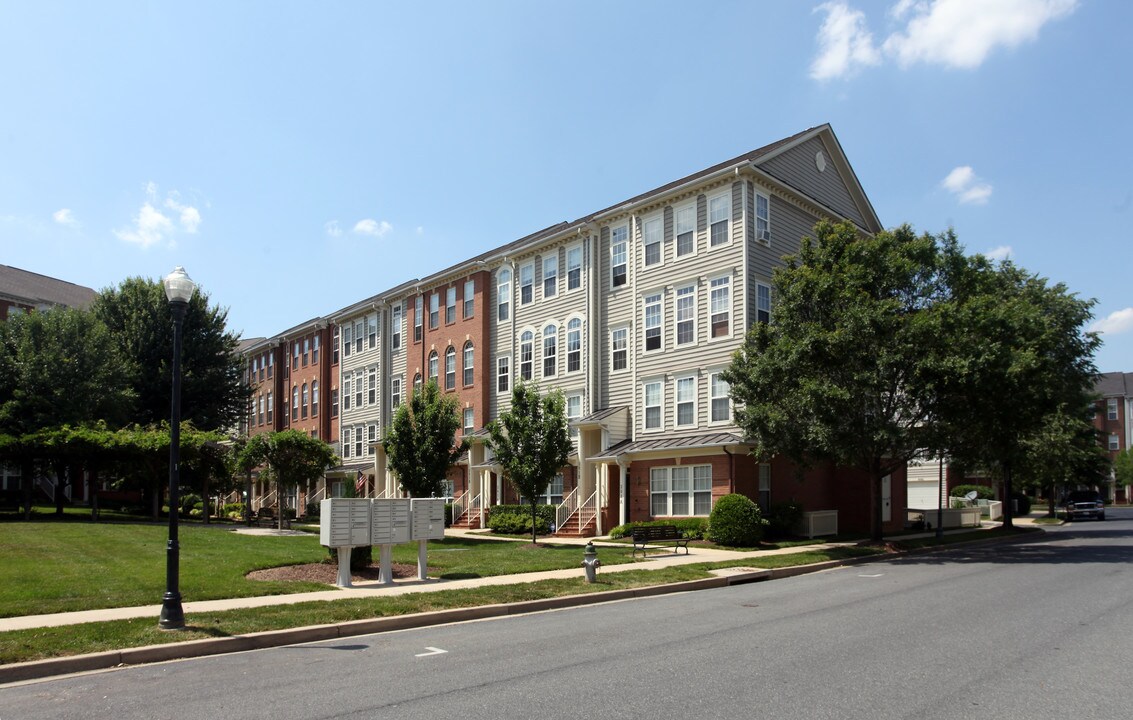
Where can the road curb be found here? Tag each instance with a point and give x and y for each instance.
(52, 667)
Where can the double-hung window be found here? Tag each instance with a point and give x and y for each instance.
(359, 439)
(685, 220)
(550, 350)
(574, 267)
(334, 347)
(260, 415)
(762, 219)
(314, 352)
(314, 398)
(503, 374)
(550, 275)
(394, 393)
(573, 412)
(618, 348)
(469, 421)
(763, 303)
(721, 306)
(1111, 409)
(395, 330)
(526, 354)
(450, 305)
(306, 351)
(652, 231)
(334, 402)
(347, 442)
(686, 315)
(503, 294)
(271, 409)
(433, 366)
(526, 283)
(450, 368)
(680, 491)
(469, 298)
(295, 355)
(372, 387)
(618, 240)
(372, 331)
(347, 392)
(719, 212)
(686, 401)
(294, 403)
(306, 402)
(434, 310)
(347, 339)
(652, 402)
(653, 322)
(469, 363)
(718, 395)
(574, 345)
(359, 380)
(418, 310)
(359, 334)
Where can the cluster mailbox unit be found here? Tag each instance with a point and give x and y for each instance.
(358, 522)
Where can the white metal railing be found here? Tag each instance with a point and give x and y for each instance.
(588, 510)
(459, 506)
(566, 508)
(268, 499)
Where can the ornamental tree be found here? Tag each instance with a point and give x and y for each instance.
(421, 443)
(295, 458)
(531, 442)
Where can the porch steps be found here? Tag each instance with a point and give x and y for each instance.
(572, 528)
(467, 521)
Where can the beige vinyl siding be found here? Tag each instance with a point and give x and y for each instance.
(500, 340)
(789, 225)
(797, 168)
(616, 308)
(398, 358)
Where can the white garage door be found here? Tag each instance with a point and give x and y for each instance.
(923, 485)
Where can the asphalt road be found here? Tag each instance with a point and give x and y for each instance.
(1029, 631)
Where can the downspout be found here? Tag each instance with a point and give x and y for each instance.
(731, 469)
(623, 484)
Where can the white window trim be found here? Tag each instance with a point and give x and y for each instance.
(727, 196)
(660, 382)
(543, 350)
(661, 326)
(625, 349)
(552, 256)
(658, 218)
(677, 297)
(504, 360)
(762, 286)
(756, 219)
(692, 491)
(730, 312)
(526, 266)
(504, 288)
(676, 230)
(677, 402)
(577, 247)
(728, 420)
(625, 254)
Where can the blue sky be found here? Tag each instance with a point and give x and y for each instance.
(298, 157)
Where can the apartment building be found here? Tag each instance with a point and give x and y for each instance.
(1111, 417)
(632, 312)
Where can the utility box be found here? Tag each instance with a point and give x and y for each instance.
(344, 522)
(390, 521)
(428, 518)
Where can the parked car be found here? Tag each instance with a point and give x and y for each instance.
(1083, 503)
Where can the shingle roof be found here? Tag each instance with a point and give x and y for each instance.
(1114, 384)
(35, 289)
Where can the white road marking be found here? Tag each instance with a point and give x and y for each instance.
(872, 576)
(432, 651)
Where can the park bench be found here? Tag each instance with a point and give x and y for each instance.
(653, 534)
(265, 517)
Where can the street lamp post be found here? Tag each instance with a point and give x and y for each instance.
(179, 289)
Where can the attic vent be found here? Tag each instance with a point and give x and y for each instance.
(820, 161)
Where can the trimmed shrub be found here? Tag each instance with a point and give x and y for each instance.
(516, 519)
(360, 557)
(313, 509)
(735, 522)
(782, 518)
(983, 492)
(188, 502)
(694, 528)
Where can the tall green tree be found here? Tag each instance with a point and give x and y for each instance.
(836, 375)
(213, 393)
(531, 442)
(1063, 453)
(1018, 355)
(1123, 468)
(421, 443)
(296, 459)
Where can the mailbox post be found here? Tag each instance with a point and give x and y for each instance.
(428, 524)
(344, 525)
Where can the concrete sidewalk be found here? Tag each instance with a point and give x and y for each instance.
(399, 587)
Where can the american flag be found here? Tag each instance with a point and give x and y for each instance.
(360, 483)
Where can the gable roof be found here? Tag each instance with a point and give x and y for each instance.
(28, 288)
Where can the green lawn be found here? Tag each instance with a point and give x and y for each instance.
(51, 567)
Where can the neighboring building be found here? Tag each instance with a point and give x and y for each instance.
(632, 312)
(23, 291)
(1112, 411)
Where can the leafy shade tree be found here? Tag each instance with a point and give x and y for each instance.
(1018, 355)
(421, 444)
(296, 459)
(213, 392)
(60, 367)
(531, 442)
(1064, 452)
(835, 377)
(1123, 468)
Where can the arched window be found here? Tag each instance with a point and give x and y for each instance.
(574, 345)
(468, 363)
(450, 368)
(503, 294)
(315, 399)
(294, 402)
(306, 400)
(550, 350)
(417, 383)
(433, 366)
(526, 351)
(270, 409)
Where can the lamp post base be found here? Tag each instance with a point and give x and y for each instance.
(172, 616)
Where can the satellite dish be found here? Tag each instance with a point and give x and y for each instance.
(971, 497)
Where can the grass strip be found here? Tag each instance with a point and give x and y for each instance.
(39, 643)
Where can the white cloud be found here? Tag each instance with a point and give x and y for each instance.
(966, 186)
(65, 218)
(372, 227)
(952, 33)
(152, 226)
(844, 43)
(1117, 322)
(1003, 252)
(332, 229)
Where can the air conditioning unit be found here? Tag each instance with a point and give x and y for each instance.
(765, 235)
